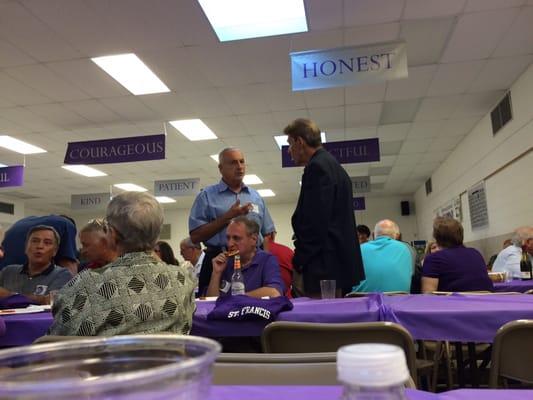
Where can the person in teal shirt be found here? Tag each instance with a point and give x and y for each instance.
(387, 261)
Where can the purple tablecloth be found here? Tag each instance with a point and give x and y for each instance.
(23, 329)
(466, 318)
(334, 392)
(515, 285)
(305, 310)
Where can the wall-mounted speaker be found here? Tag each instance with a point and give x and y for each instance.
(405, 207)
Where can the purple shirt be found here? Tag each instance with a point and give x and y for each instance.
(458, 269)
(262, 271)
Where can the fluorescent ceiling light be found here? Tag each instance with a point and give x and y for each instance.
(3, 165)
(194, 129)
(266, 193)
(214, 157)
(19, 146)
(282, 140)
(130, 187)
(165, 199)
(252, 180)
(84, 170)
(132, 73)
(245, 19)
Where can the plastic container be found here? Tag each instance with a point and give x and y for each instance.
(372, 371)
(121, 367)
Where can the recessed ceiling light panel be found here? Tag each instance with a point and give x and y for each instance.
(130, 187)
(252, 180)
(164, 199)
(19, 146)
(84, 170)
(266, 193)
(194, 129)
(282, 140)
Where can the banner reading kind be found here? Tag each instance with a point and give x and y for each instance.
(131, 149)
(12, 176)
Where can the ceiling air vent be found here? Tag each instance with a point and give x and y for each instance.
(7, 208)
(501, 114)
(429, 187)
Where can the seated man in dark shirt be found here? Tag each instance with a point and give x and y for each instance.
(260, 269)
(455, 268)
(40, 275)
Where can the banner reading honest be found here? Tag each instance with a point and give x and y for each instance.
(177, 187)
(347, 66)
(89, 201)
(346, 152)
(359, 203)
(12, 176)
(130, 149)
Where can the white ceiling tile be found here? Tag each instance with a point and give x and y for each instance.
(458, 127)
(407, 160)
(207, 102)
(363, 114)
(500, 73)
(369, 93)
(416, 85)
(368, 12)
(12, 56)
(58, 115)
(393, 132)
(324, 97)
(426, 39)
(477, 104)
(129, 108)
(225, 127)
(435, 108)
(415, 9)
(477, 35)
(44, 80)
(18, 93)
(20, 27)
(279, 96)
(244, 99)
(322, 15)
(169, 106)
(359, 132)
(435, 156)
(283, 118)
(415, 146)
(26, 119)
(328, 118)
(454, 78)
(519, 39)
(399, 111)
(257, 124)
(444, 143)
(92, 110)
(314, 40)
(425, 130)
(367, 34)
(478, 5)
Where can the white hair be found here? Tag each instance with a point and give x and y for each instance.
(387, 227)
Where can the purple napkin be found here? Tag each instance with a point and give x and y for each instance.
(246, 308)
(15, 301)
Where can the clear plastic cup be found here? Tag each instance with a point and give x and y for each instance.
(327, 288)
(120, 367)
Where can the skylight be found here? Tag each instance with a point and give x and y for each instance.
(246, 19)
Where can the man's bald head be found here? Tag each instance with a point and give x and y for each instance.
(388, 228)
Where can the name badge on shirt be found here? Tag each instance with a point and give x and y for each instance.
(40, 290)
(255, 208)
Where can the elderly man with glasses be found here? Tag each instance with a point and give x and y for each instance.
(136, 293)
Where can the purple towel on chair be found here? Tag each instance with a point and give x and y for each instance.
(15, 301)
(246, 308)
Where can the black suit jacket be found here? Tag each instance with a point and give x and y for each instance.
(326, 244)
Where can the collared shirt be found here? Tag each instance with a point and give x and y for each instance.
(262, 271)
(388, 266)
(215, 200)
(508, 260)
(136, 293)
(16, 278)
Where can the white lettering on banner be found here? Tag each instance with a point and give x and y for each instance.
(4, 177)
(177, 187)
(360, 184)
(120, 150)
(345, 66)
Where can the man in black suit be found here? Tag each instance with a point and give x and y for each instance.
(325, 243)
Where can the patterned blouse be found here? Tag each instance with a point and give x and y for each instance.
(134, 294)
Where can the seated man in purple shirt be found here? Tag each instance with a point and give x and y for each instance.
(260, 269)
(455, 268)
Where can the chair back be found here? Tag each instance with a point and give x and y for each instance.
(512, 353)
(306, 337)
(275, 369)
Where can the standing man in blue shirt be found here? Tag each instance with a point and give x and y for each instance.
(218, 204)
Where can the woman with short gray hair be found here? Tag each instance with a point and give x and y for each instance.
(136, 293)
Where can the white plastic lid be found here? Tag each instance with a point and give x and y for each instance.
(372, 365)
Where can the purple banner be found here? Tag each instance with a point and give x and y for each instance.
(346, 152)
(138, 148)
(359, 203)
(12, 176)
